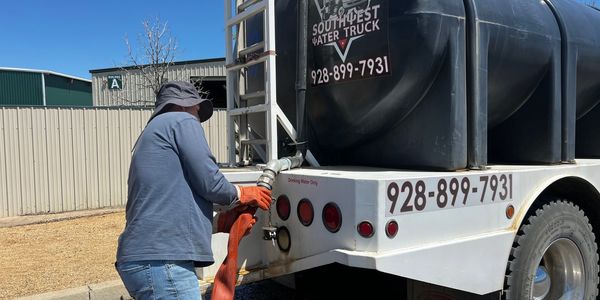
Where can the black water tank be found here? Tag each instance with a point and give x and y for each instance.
(514, 82)
(439, 84)
(581, 75)
(387, 83)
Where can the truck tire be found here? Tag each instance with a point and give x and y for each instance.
(554, 256)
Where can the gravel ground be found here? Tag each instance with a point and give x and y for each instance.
(58, 255)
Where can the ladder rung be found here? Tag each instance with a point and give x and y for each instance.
(253, 48)
(248, 13)
(250, 63)
(246, 4)
(259, 94)
(254, 142)
(248, 110)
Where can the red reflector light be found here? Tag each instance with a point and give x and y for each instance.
(306, 214)
(391, 228)
(283, 207)
(365, 229)
(332, 217)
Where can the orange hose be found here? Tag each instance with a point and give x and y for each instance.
(225, 280)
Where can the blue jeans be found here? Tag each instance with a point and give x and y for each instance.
(155, 279)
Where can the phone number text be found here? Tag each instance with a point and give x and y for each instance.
(434, 194)
(365, 68)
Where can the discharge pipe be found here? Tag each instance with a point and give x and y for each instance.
(301, 67)
(267, 179)
(274, 167)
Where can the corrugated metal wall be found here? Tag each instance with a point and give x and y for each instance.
(133, 92)
(20, 88)
(64, 159)
(63, 91)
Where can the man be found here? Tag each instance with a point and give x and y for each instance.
(173, 184)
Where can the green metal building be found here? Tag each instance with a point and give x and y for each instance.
(44, 88)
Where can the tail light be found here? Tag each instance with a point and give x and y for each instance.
(391, 228)
(283, 207)
(365, 229)
(332, 217)
(306, 214)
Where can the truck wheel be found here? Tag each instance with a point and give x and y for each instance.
(554, 256)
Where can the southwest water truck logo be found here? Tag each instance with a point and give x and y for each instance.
(357, 31)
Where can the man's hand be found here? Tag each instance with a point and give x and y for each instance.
(246, 220)
(226, 219)
(255, 196)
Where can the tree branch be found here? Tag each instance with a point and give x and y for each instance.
(159, 50)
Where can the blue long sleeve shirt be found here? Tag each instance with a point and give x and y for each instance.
(173, 183)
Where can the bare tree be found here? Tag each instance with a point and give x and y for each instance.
(155, 54)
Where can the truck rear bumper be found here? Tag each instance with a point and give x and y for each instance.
(446, 264)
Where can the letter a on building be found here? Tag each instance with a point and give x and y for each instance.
(115, 82)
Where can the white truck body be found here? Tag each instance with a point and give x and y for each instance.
(464, 246)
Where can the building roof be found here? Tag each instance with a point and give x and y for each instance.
(44, 72)
(175, 63)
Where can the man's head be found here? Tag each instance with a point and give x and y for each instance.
(182, 96)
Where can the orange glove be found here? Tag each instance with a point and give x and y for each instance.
(255, 196)
(226, 219)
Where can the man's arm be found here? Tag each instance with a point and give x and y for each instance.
(203, 173)
(199, 164)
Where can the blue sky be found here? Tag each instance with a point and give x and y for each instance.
(75, 36)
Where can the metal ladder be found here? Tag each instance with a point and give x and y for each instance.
(239, 57)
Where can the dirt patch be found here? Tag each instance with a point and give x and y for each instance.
(58, 255)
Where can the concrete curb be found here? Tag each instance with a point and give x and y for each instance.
(110, 290)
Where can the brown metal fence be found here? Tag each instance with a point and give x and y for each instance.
(65, 159)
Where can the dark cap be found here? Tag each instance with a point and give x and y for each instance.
(184, 94)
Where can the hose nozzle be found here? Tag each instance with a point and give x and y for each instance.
(274, 167)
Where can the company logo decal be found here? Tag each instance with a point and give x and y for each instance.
(343, 22)
(348, 40)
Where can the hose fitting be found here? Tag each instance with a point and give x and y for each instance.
(274, 167)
